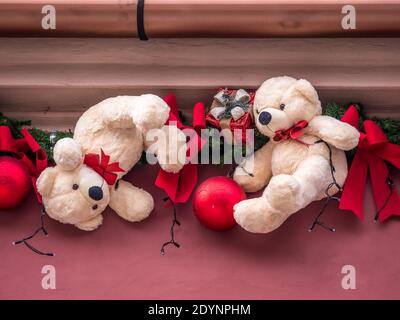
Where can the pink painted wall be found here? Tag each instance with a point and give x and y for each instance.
(122, 261)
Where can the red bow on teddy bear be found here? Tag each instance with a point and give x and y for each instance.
(103, 166)
(294, 132)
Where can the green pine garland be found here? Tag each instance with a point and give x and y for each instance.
(43, 139)
(14, 125)
(41, 136)
(390, 127)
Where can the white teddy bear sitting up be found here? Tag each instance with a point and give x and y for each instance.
(294, 165)
(109, 139)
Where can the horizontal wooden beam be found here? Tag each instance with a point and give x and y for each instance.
(201, 18)
(52, 81)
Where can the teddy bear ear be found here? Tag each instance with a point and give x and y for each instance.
(67, 154)
(45, 181)
(307, 90)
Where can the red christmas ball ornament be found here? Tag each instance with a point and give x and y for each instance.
(214, 200)
(15, 182)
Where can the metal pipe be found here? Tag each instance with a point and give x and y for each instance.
(200, 18)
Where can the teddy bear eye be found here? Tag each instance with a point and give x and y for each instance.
(282, 106)
(75, 186)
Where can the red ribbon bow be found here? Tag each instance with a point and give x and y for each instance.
(294, 132)
(102, 166)
(179, 186)
(373, 150)
(26, 150)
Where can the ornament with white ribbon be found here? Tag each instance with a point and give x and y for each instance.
(227, 106)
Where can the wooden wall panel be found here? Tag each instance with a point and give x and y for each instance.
(56, 79)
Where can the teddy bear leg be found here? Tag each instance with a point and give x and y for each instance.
(308, 183)
(131, 203)
(149, 112)
(91, 224)
(268, 212)
(118, 118)
(285, 195)
(256, 215)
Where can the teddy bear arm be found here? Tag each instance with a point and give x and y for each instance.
(337, 133)
(131, 203)
(255, 171)
(45, 181)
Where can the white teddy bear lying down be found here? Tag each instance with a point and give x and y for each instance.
(294, 171)
(75, 193)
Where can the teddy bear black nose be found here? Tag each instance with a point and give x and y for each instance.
(264, 118)
(96, 193)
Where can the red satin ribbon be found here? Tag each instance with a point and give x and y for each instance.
(179, 186)
(373, 150)
(27, 150)
(294, 132)
(103, 166)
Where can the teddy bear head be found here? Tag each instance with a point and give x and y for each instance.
(71, 191)
(282, 102)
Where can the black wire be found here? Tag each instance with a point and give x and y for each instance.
(41, 228)
(328, 196)
(233, 168)
(320, 223)
(174, 222)
(140, 20)
(248, 173)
